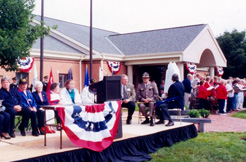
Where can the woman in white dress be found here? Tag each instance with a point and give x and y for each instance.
(70, 95)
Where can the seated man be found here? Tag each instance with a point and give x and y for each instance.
(13, 103)
(146, 94)
(175, 99)
(28, 103)
(128, 97)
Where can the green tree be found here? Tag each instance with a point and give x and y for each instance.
(233, 45)
(17, 32)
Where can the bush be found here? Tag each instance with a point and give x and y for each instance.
(194, 113)
(204, 113)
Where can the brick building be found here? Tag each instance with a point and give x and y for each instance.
(151, 51)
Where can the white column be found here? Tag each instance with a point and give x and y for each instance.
(211, 72)
(181, 69)
(130, 73)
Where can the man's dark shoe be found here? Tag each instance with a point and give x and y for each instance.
(12, 134)
(128, 122)
(151, 122)
(146, 121)
(170, 124)
(160, 122)
(22, 131)
(35, 133)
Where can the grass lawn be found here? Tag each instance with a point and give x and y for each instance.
(240, 114)
(207, 147)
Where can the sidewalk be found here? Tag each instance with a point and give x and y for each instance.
(225, 123)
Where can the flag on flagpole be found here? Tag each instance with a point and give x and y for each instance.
(87, 78)
(70, 73)
(51, 80)
(100, 74)
(35, 77)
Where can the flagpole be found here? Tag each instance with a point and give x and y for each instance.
(42, 43)
(91, 61)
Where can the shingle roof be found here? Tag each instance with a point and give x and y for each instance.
(80, 33)
(146, 42)
(52, 44)
(156, 41)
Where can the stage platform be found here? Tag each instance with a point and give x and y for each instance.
(137, 142)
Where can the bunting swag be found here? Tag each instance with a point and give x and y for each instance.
(220, 71)
(191, 67)
(114, 66)
(91, 126)
(25, 64)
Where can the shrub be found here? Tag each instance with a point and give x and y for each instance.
(204, 113)
(194, 113)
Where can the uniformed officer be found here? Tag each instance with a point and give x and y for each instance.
(45, 83)
(146, 95)
(14, 84)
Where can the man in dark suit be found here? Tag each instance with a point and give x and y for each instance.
(175, 99)
(147, 94)
(128, 97)
(13, 103)
(14, 84)
(45, 83)
(187, 85)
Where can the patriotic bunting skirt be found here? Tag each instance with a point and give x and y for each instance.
(91, 126)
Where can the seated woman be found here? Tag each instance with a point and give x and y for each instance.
(4, 122)
(88, 95)
(28, 103)
(70, 95)
(41, 99)
(54, 99)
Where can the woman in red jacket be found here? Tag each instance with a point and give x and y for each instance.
(203, 96)
(222, 96)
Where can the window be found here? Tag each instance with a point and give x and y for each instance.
(62, 79)
(20, 76)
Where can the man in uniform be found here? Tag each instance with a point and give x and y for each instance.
(45, 83)
(14, 85)
(128, 97)
(146, 94)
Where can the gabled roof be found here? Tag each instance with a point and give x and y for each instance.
(147, 42)
(81, 34)
(53, 44)
(156, 41)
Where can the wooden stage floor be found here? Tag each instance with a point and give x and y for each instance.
(20, 148)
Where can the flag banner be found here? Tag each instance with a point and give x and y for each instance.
(191, 67)
(25, 64)
(91, 126)
(70, 74)
(220, 71)
(35, 77)
(87, 78)
(114, 66)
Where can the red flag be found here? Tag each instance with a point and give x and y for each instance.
(51, 80)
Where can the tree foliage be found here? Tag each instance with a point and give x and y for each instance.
(17, 32)
(233, 45)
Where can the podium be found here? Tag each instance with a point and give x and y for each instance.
(109, 89)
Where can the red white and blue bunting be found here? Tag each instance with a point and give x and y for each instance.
(91, 126)
(191, 67)
(114, 66)
(220, 71)
(25, 64)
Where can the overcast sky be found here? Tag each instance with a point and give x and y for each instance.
(126, 16)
